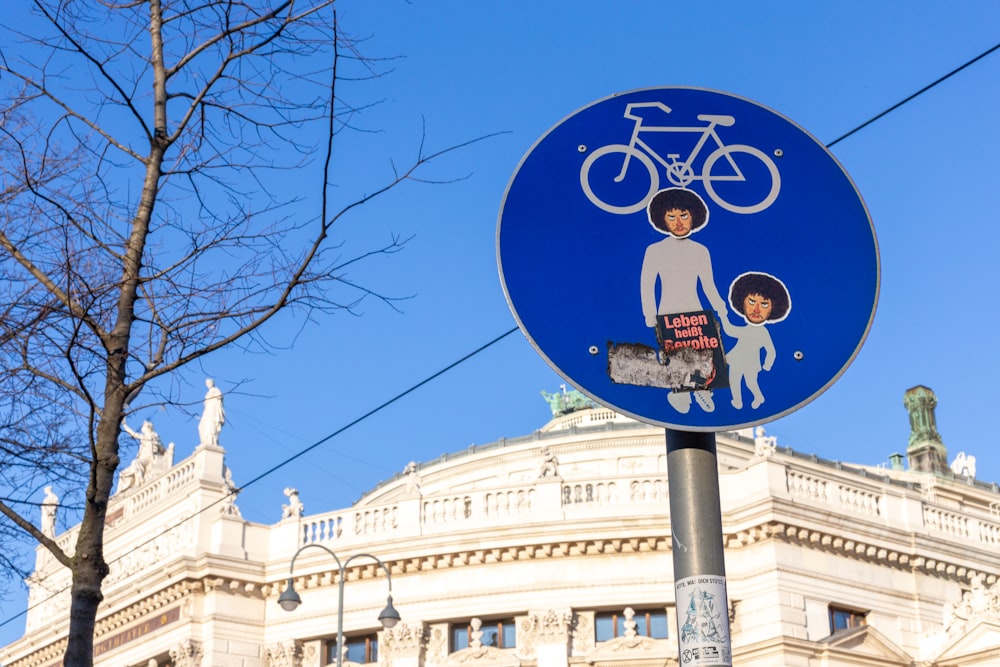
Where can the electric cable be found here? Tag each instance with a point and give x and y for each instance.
(291, 458)
(919, 92)
(472, 354)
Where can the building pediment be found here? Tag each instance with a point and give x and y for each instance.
(979, 644)
(862, 641)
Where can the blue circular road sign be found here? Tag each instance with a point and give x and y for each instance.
(688, 257)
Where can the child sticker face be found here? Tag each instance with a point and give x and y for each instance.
(678, 221)
(757, 308)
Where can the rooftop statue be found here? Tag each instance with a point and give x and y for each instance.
(964, 465)
(550, 463)
(151, 451)
(764, 446)
(213, 416)
(49, 506)
(294, 508)
(567, 401)
(229, 501)
(412, 478)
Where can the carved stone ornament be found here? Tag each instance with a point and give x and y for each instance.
(405, 639)
(284, 654)
(437, 645)
(188, 653)
(312, 653)
(552, 626)
(979, 603)
(583, 634)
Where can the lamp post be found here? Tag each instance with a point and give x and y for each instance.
(290, 600)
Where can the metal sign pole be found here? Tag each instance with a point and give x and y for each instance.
(699, 566)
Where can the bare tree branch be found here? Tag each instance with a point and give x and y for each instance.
(141, 227)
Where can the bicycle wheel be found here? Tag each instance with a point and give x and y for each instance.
(617, 180)
(738, 166)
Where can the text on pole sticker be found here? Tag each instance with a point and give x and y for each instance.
(703, 620)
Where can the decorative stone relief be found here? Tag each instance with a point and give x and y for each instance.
(583, 633)
(552, 626)
(170, 542)
(548, 627)
(979, 603)
(437, 645)
(186, 654)
(527, 637)
(284, 654)
(405, 639)
(312, 653)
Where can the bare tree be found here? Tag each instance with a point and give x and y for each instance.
(138, 230)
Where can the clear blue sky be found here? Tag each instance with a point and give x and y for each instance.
(928, 173)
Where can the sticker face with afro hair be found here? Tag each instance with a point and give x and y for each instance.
(761, 299)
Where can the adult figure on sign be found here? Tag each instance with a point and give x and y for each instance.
(679, 265)
(213, 415)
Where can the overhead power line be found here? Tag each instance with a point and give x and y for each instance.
(914, 95)
(297, 455)
(481, 348)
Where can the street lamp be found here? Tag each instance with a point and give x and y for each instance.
(290, 600)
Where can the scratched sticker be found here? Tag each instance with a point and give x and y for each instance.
(703, 620)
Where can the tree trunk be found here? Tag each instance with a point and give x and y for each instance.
(89, 566)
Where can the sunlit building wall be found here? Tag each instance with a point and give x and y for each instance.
(551, 549)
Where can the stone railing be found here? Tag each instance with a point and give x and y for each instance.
(446, 509)
(625, 491)
(366, 522)
(989, 533)
(850, 498)
(510, 502)
(832, 491)
(589, 493)
(544, 500)
(946, 522)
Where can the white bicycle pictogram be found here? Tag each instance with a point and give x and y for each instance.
(681, 172)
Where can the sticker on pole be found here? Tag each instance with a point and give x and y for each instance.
(703, 619)
(688, 257)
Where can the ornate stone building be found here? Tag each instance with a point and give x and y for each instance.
(549, 550)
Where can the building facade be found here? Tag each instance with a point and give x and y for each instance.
(548, 550)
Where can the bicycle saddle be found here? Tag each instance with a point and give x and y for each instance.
(724, 121)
